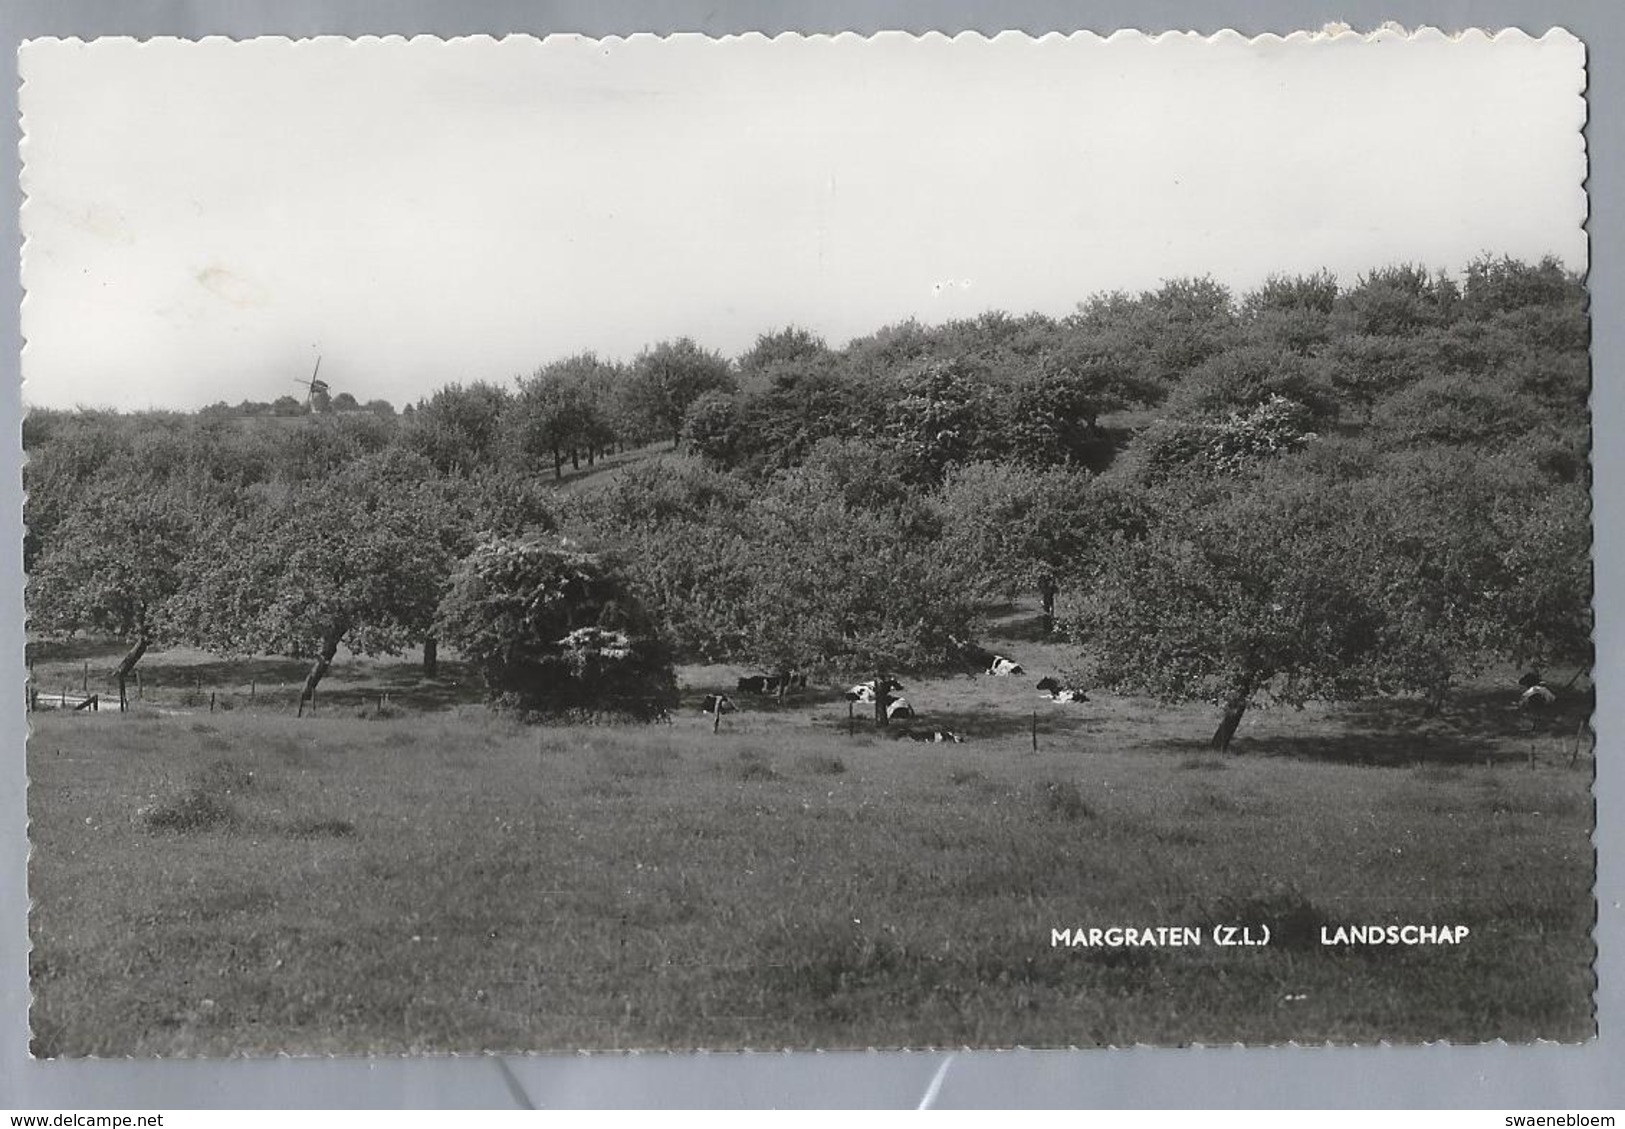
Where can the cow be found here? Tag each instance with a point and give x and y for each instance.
(899, 708)
(935, 737)
(1002, 667)
(718, 703)
(1536, 697)
(864, 692)
(1056, 692)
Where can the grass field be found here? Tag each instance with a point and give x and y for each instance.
(437, 879)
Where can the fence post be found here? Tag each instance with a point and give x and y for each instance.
(251, 689)
(84, 683)
(211, 701)
(1035, 731)
(849, 719)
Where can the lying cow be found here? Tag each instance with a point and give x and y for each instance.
(1003, 667)
(899, 708)
(935, 737)
(864, 692)
(718, 703)
(1537, 697)
(1058, 693)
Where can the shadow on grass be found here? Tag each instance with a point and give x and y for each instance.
(972, 725)
(50, 651)
(1382, 750)
(1475, 726)
(272, 684)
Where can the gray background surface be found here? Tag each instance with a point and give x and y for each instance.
(1384, 1076)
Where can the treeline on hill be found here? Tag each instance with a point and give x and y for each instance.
(1326, 492)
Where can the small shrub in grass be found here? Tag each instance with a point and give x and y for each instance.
(1062, 799)
(223, 776)
(824, 765)
(1203, 764)
(321, 829)
(749, 765)
(965, 776)
(197, 810)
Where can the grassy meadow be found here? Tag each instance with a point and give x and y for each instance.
(430, 877)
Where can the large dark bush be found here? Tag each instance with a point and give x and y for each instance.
(554, 632)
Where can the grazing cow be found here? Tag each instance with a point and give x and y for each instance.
(899, 708)
(935, 737)
(1002, 667)
(864, 692)
(1058, 693)
(718, 703)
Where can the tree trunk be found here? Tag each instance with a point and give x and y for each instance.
(1046, 593)
(127, 664)
(575, 458)
(558, 465)
(880, 701)
(592, 455)
(1234, 708)
(431, 656)
(319, 668)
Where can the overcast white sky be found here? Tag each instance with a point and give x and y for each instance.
(203, 219)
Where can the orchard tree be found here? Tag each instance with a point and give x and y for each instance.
(350, 560)
(667, 379)
(713, 428)
(821, 567)
(938, 417)
(459, 429)
(1292, 312)
(555, 630)
(1015, 530)
(563, 411)
(1245, 586)
(789, 349)
(113, 567)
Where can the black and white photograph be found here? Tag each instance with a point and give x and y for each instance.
(672, 543)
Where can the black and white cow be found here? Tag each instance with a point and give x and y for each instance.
(1536, 697)
(1057, 692)
(899, 708)
(864, 692)
(935, 737)
(1002, 667)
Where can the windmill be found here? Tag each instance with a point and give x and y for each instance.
(316, 391)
